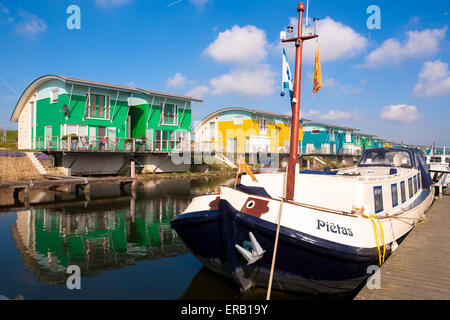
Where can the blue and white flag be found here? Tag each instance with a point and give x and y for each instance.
(286, 78)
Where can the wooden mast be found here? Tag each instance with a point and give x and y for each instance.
(293, 158)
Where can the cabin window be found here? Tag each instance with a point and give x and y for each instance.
(403, 191)
(410, 187)
(419, 181)
(54, 95)
(315, 131)
(378, 197)
(263, 126)
(170, 114)
(415, 184)
(98, 106)
(447, 160)
(394, 192)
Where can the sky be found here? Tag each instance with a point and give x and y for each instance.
(386, 74)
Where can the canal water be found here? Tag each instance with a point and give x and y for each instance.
(120, 239)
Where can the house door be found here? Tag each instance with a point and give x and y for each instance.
(48, 137)
(92, 136)
(232, 145)
(101, 132)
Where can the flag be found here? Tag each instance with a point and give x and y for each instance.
(317, 83)
(243, 167)
(286, 78)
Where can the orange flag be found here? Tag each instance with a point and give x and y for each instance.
(317, 83)
(243, 167)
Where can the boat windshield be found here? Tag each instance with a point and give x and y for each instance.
(386, 158)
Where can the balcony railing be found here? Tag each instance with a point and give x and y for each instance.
(111, 144)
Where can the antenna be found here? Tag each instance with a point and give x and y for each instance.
(307, 9)
(315, 31)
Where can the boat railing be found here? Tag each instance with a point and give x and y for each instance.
(373, 178)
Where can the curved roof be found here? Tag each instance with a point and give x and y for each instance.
(40, 81)
(254, 111)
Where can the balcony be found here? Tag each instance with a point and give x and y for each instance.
(109, 144)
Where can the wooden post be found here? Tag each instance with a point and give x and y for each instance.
(134, 145)
(69, 143)
(133, 169)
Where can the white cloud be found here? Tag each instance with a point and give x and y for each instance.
(239, 45)
(336, 41)
(106, 4)
(250, 83)
(417, 45)
(433, 80)
(400, 113)
(198, 92)
(332, 115)
(29, 25)
(177, 81)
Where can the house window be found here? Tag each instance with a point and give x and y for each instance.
(158, 134)
(263, 126)
(238, 120)
(212, 130)
(410, 187)
(332, 135)
(394, 192)
(378, 197)
(169, 114)
(403, 191)
(98, 106)
(348, 137)
(54, 95)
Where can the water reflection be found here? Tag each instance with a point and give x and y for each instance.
(106, 230)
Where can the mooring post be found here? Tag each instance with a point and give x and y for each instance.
(133, 169)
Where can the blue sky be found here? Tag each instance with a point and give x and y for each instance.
(393, 82)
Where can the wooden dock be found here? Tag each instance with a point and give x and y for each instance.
(420, 268)
(82, 184)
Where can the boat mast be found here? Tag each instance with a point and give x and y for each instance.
(293, 157)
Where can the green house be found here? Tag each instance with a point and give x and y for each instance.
(68, 114)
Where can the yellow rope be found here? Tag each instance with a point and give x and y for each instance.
(379, 236)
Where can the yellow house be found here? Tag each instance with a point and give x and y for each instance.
(242, 130)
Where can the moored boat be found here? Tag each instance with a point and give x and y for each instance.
(338, 225)
(309, 231)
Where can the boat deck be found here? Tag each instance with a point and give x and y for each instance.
(420, 268)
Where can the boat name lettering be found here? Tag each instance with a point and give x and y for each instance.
(334, 228)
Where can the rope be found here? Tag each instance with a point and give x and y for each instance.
(379, 236)
(269, 288)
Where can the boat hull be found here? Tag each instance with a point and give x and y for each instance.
(304, 263)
